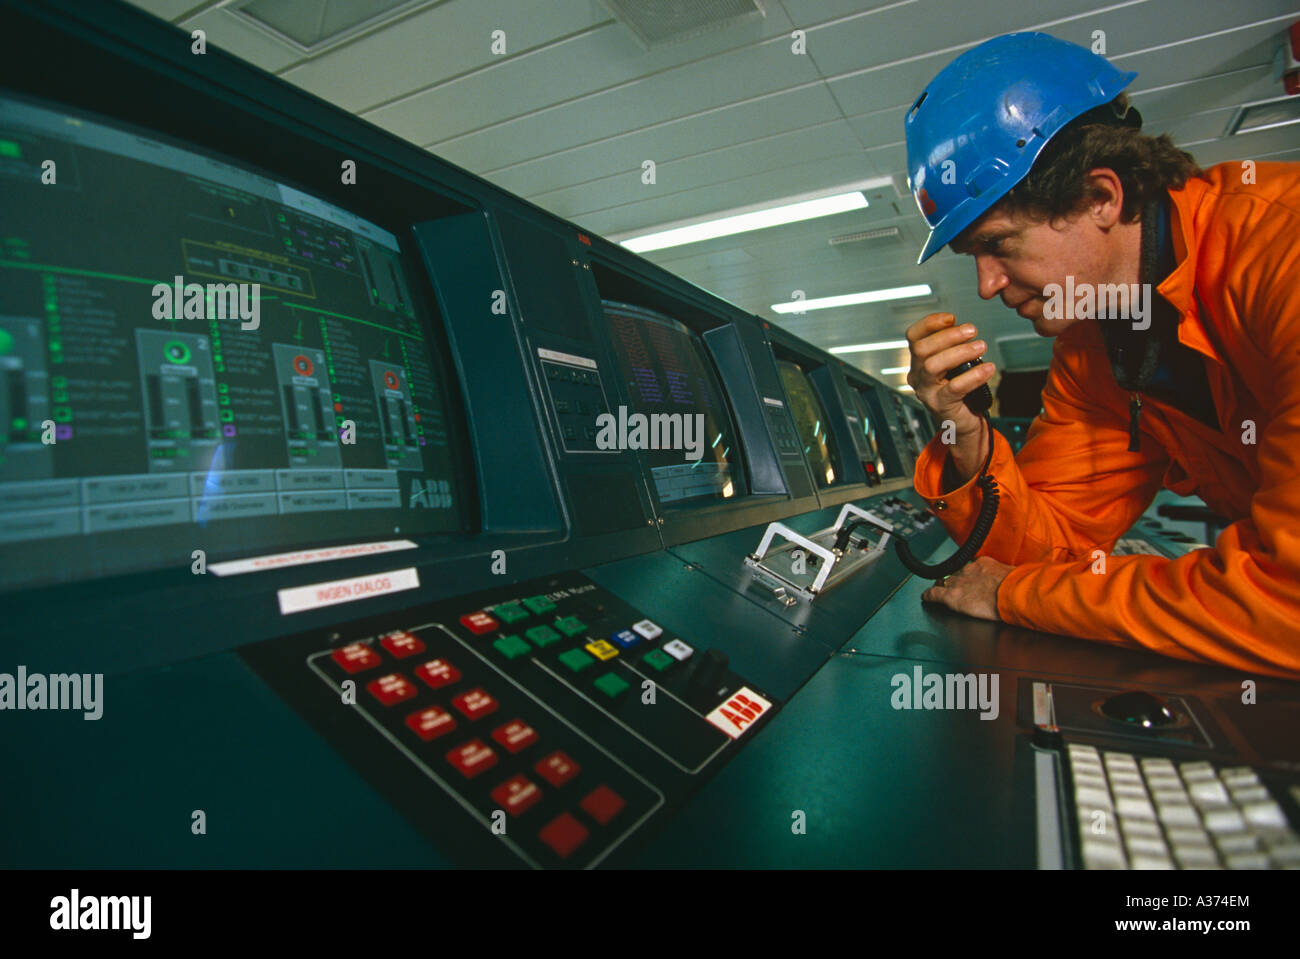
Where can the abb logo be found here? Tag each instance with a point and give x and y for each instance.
(739, 712)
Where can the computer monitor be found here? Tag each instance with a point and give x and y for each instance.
(196, 355)
(819, 446)
(688, 438)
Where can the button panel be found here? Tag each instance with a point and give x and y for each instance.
(531, 705)
(578, 398)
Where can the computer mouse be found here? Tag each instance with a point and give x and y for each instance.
(1136, 708)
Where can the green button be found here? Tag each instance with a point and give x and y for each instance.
(539, 604)
(570, 625)
(512, 647)
(542, 636)
(8, 148)
(612, 686)
(576, 660)
(510, 612)
(658, 660)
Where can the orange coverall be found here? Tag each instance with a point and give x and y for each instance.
(1074, 487)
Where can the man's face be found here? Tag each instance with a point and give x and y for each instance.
(1017, 257)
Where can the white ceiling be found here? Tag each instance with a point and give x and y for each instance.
(733, 117)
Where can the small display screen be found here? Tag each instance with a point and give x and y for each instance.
(688, 437)
(867, 437)
(197, 356)
(819, 447)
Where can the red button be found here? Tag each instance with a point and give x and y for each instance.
(564, 834)
(356, 657)
(392, 688)
(402, 644)
(515, 735)
(557, 768)
(431, 723)
(473, 758)
(438, 673)
(479, 623)
(603, 804)
(475, 703)
(516, 794)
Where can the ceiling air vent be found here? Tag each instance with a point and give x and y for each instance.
(1265, 115)
(314, 25)
(884, 233)
(662, 21)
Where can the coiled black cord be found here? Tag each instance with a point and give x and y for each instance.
(983, 524)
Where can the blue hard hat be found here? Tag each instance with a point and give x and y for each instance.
(977, 129)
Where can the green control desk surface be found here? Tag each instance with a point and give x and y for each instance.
(205, 736)
(837, 778)
(841, 779)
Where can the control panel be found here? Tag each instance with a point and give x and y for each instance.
(577, 397)
(552, 720)
(787, 441)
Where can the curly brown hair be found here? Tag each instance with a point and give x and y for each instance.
(1057, 186)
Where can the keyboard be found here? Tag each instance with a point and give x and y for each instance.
(1152, 813)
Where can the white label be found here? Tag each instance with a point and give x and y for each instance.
(771, 402)
(566, 358)
(741, 710)
(235, 567)
(301, 598)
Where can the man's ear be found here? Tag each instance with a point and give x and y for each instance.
(1107, 204)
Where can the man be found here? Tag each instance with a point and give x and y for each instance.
(1024, 154)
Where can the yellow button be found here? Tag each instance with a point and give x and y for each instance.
(940, 504)
(601, 649)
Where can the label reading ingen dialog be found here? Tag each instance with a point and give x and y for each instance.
(300, 598)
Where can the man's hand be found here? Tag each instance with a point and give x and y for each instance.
(972, 590)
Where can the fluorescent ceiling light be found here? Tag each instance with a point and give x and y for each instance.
(866, 347)
(853, 299)
(745, 222)
(757, 217)
(894, 369)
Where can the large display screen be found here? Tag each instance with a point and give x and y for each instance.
(197, 356)
(669, 378)
(819, 447)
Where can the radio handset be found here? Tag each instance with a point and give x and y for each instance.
(978, 401)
